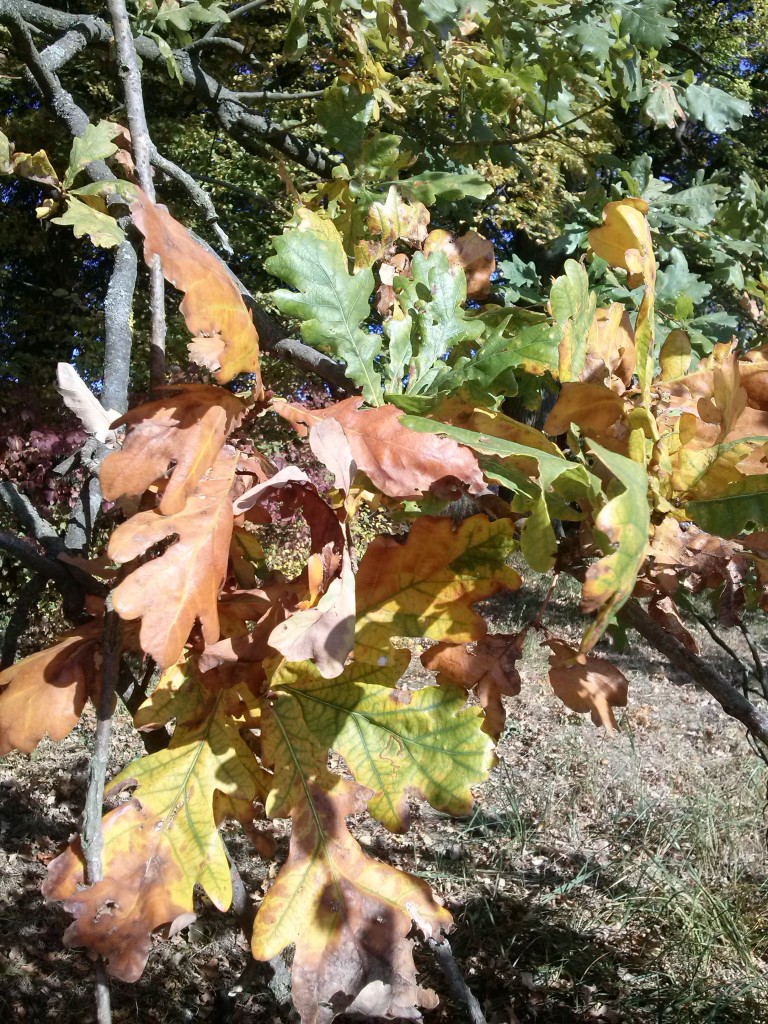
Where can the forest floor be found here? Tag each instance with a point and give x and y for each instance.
(606, 880)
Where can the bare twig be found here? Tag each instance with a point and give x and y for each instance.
(199, 197)
(456, 984)
(253, 5)
(700, 671)
(141, 145)
(544, 133)
(279, 97)
(103, 1001)
(209, 42)
(757, 660)
(230, 186)
(92, 837)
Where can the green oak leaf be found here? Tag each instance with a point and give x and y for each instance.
(102, 229)
(345, 113)
(330, 302)
(431, 186)
(718, 110)
(433, 297)
(743, 503)
(676, 279)
(647, 22)
(394, 741)
(623, 525)
(573, 307)
(94, 144)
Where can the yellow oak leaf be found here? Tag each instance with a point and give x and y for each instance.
(347, 914)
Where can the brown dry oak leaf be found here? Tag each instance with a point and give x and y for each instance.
(163, 842)
(322, 628)
(348, 916)
(44, 694)
(469, 251)
(586, 684)
(487, 667)
(182, 585)
(399, 462)
(599, 412)
(183, 431)
(226, 340)
(664, 611)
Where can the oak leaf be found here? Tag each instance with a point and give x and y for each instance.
(469, 251)
(164, 841)
(675, 355)
(225, 338)
(395, 219)
(488, 668)
(573, 306)
(348, 916)
(589, 684)
(322, 627)
(598, 411)
(398, 743)
(427, 586)
(331, 302)
(394, 740)
(182, 585)
(664, 611)
(624, 240)
(45, 693)
(397, 461)
(624, 524)
(611, 347)
(182, 432)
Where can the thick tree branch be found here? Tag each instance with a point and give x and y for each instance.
(728, 697)
(69, 580)
(305, 358)
(248, 128)
(73, 41)
(118, 310)
(28, 518)
(25, 603)
(142, 147)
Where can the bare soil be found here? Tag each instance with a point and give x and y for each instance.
(599, 879)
